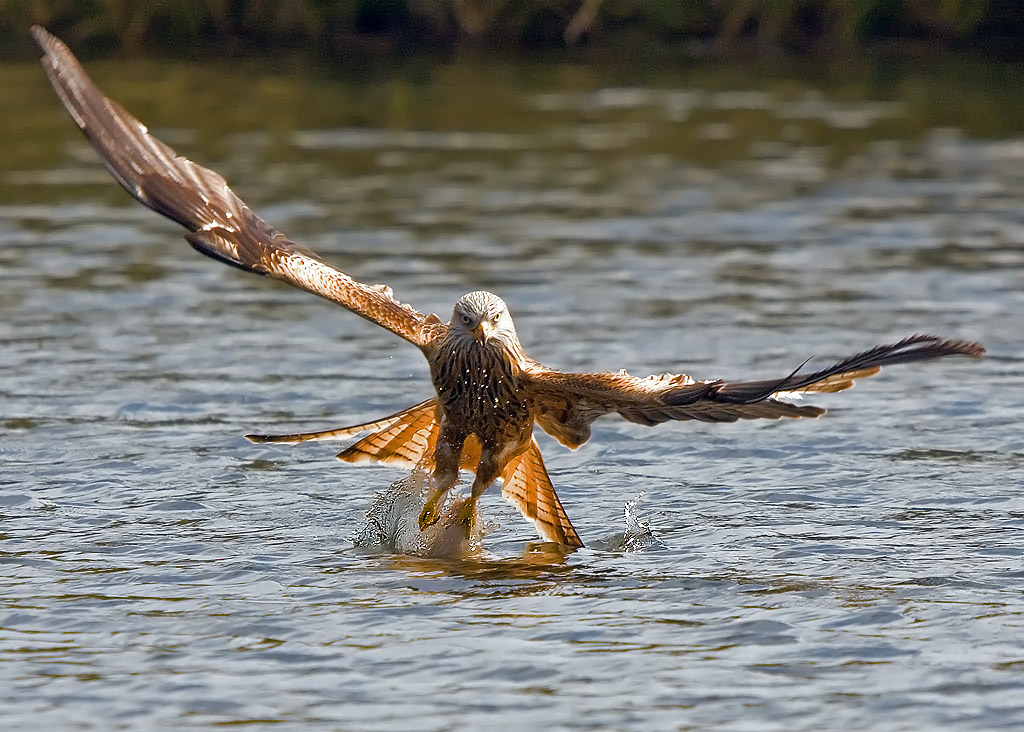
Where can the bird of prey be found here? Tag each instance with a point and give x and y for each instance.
(489, 393)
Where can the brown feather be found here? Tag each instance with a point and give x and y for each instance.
(340, 433)
(220, 224)
(526, 485)
(404, 443)
(405, 439)
(565, 404)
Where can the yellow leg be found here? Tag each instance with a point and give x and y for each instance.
(446, 474)
(486, 473)
(467, 513)
(431, 509)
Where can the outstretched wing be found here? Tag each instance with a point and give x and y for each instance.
(220, 225)
(414, 413)
(566, 404)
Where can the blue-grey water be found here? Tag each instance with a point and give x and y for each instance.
(862, 571)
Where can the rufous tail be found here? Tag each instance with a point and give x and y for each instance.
(408, 438)
(526, 486)
(343, 433)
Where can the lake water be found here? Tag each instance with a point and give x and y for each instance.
(862, 571)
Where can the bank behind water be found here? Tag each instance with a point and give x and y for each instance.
(388, 26)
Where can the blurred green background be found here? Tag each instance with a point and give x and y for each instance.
(678, 27)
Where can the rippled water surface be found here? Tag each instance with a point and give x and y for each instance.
(860, 571)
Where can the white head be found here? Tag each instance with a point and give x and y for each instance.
(483, 317)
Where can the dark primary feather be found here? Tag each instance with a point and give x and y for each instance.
(220, 224)
(914, 348)
(568, 403)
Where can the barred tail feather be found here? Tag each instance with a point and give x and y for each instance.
(526, 486)
(407, 440)
(343, 433)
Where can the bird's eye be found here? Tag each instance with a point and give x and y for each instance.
(466, 320)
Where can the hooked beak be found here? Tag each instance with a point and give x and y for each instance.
(482, 332)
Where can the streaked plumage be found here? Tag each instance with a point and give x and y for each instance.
(489, 394)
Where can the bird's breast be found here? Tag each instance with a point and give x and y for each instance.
(481, 391)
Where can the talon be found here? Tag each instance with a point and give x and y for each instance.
(467, 514)
(429, 515)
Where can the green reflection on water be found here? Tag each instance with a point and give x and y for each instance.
(704, 115)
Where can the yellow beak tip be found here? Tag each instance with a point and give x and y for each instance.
(482, 332)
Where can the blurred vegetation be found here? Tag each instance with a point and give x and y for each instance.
(697, 27)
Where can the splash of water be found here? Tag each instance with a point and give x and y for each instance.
(636, 536)
(392, 523)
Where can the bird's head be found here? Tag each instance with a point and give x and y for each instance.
(482, 317)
